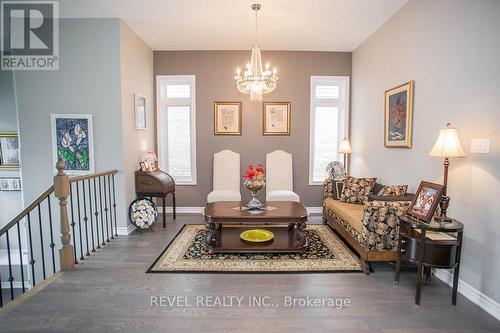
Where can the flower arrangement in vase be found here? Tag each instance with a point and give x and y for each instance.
(254, 181)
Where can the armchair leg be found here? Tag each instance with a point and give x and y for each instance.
(365, 266)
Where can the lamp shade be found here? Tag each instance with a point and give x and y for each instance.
(447, 144)
(345, 147)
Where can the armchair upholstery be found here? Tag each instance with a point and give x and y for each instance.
(279, 178)
(226, 177)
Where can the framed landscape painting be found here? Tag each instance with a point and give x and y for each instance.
(398, 111)
(140, 112)
(276, 118)
(9, 150)
(73, 142)
(227, 118)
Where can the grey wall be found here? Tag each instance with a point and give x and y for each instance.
(214, 71)
(87, 82)
(136, 63)
(451, 49)
(11, 202)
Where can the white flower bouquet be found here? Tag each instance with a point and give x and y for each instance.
(143, 213)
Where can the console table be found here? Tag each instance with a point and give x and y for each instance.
(430, 245)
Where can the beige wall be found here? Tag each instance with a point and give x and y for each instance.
(451, 49)
(136, 60)
(214, 82)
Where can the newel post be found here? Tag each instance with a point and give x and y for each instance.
(61, 190)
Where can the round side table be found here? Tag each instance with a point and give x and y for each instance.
(430, 245)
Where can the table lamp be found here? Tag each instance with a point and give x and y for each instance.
(447, 145)
(345, 148)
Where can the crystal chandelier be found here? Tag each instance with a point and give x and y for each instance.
(254, 80)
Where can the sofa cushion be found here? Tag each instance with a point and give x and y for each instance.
(357, 190)
(393, 190)
(349, 212)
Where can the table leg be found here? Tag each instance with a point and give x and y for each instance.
(456, 270)
(164, 212)
(301, 235)
(398, 260)
(212, 234)
(173, 204)
(421, 250)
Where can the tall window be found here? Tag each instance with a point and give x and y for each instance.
(328, 125)
(177, 126)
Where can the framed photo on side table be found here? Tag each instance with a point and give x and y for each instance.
(140, 112)
(9, 150)
(426, 200)
(398, 113)
(276, 118)
(227, 118)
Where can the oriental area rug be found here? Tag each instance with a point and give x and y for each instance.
(188, 253)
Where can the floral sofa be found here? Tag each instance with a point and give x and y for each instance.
(369, 225)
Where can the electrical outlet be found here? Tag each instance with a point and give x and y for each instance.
(480, 146)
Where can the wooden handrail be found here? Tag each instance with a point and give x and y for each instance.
(94, 175)
(28, 209)
(48, 192)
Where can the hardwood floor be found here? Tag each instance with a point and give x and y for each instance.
(110, 291)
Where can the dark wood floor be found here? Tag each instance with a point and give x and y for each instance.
(110, 291)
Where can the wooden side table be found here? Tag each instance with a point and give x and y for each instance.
(432, 245)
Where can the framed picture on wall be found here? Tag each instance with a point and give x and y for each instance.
(140, 112)
(227, 118)
(276, 118)
(73, 142)
(398, 112)
(425, 201)
(9, 150)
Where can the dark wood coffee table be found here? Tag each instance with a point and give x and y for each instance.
(226, 220)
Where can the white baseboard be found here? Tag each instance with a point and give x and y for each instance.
(471, 293)
(124, 231)
(15, 285)
(199, 210)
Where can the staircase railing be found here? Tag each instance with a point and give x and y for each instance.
(88, 224)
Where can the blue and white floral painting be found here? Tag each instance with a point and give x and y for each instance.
(72, 141)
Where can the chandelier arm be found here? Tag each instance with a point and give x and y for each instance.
(256, 25)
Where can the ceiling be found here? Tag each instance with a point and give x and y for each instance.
(306, 25)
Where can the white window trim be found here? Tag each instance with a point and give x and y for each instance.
(343, 101)
(162, 80)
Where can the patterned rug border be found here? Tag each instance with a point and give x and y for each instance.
(151, 271)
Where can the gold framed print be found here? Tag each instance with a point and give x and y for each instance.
(9, 150)
(276, 118)
(227, 118)
(398, 113)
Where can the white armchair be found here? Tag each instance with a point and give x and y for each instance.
(226, 177)
(279, 177)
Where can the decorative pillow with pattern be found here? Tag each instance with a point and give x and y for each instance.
(396, 190)
(357, 190)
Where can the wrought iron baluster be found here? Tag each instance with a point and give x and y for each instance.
(85, 219)
(1, 293)
(72, 220)
(102, 218)
(41, 241)
(110, 211)
(32, 261)
(91, 219)
(51, 237)
(20, 256)
(79, 220)
(106, 210)
(96, 214)
(11, 278)
(114, 204)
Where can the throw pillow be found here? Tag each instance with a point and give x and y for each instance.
(396, 190)
(357, 190)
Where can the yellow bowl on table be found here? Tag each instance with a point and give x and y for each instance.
(257, 235)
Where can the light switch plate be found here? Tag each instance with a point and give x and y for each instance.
(480, 146)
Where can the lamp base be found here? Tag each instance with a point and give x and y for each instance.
(443, 219)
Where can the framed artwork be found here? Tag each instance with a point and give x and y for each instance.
(227, 118)
(140, 112)
(9, 150)
(10, 184)
(398, 112)
(276, 118)
(426, 200)
(73, 142)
